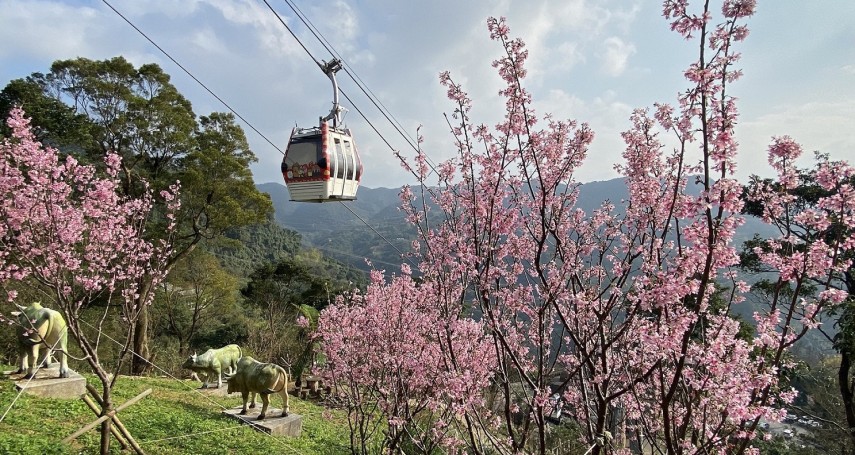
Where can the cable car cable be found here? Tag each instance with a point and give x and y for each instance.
(193, 77)
(380, 235)
(317, 62)
(321, 40)
(352, 73)
(358, 81)
(325, 43)
(218, 98)
(362, 86)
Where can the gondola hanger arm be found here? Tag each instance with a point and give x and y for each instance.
(330, 68)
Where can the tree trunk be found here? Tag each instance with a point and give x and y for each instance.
(183, 347)
(105, 436)
(846, 394)
(141, 359)
(106, 408)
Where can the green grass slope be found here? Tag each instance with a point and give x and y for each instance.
(173, 419)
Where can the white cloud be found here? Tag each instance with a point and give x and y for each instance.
(244, 12)
(817, 126)
(207, 41)
(246, 18)
(41, 29)
(240, 50)
(168, 8)
(343, 22)
(616, 54)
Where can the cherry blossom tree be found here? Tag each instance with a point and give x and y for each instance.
(624, 313)
(67, 229)
(394, 352)
(807, 268)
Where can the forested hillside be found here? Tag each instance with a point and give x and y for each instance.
(373, 227)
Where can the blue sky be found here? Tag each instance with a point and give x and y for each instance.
(590, 60)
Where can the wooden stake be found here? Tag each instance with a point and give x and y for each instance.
(91, 403)
(127, 435)
(119, 425)
(105, 417)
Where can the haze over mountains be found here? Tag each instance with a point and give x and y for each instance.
(351, 232)
(376, 209)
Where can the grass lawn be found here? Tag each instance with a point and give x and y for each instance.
(173, 419)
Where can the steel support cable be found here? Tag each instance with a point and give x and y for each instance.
(164, 372)
(325, 43)
(193, 77)
(318, 36)
(352, 73)
(296, 38)
(317, 62)
(235, 112)
(333, 253)
(359, 83)
(332, 52)
(156, 441)
(366, 91)
(36, 369)
(403, 255)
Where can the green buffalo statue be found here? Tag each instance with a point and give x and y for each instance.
(41, 327)
(214, 362)
(254, 377)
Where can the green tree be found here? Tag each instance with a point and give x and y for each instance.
(292, 288)
(194, 297)
(54, 123)
(139, 114)
(822, 403)
(241, 250)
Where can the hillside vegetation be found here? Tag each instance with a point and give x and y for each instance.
(174, 419)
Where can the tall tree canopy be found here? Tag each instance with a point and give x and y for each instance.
(281, 293)
(109, 106)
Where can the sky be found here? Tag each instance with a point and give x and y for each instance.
(590, 60)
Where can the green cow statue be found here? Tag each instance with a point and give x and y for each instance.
(254, 377)
(41, 327)
(214, 362)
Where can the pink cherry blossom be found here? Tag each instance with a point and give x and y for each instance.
(625, 312)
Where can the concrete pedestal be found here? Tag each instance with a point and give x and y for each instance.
(273, 424)
(214, 391)
(48, 384)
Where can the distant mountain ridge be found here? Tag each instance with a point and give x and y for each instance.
(372, 229)
(333, 229)
(383, 204)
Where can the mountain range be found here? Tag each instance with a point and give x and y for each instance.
(372, 228)
(376, 213)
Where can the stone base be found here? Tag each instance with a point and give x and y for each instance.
(48, 384)
(272, 424)
(214, 391)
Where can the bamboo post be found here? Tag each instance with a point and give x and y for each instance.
(85, 429)
(110, 415)
(118, 423)
(91, 403)
(128, 436)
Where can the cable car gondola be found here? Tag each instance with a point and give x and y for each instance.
(321, 164)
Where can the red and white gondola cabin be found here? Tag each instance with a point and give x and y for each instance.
(321, 164)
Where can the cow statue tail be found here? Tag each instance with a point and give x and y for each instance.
(283, 376)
